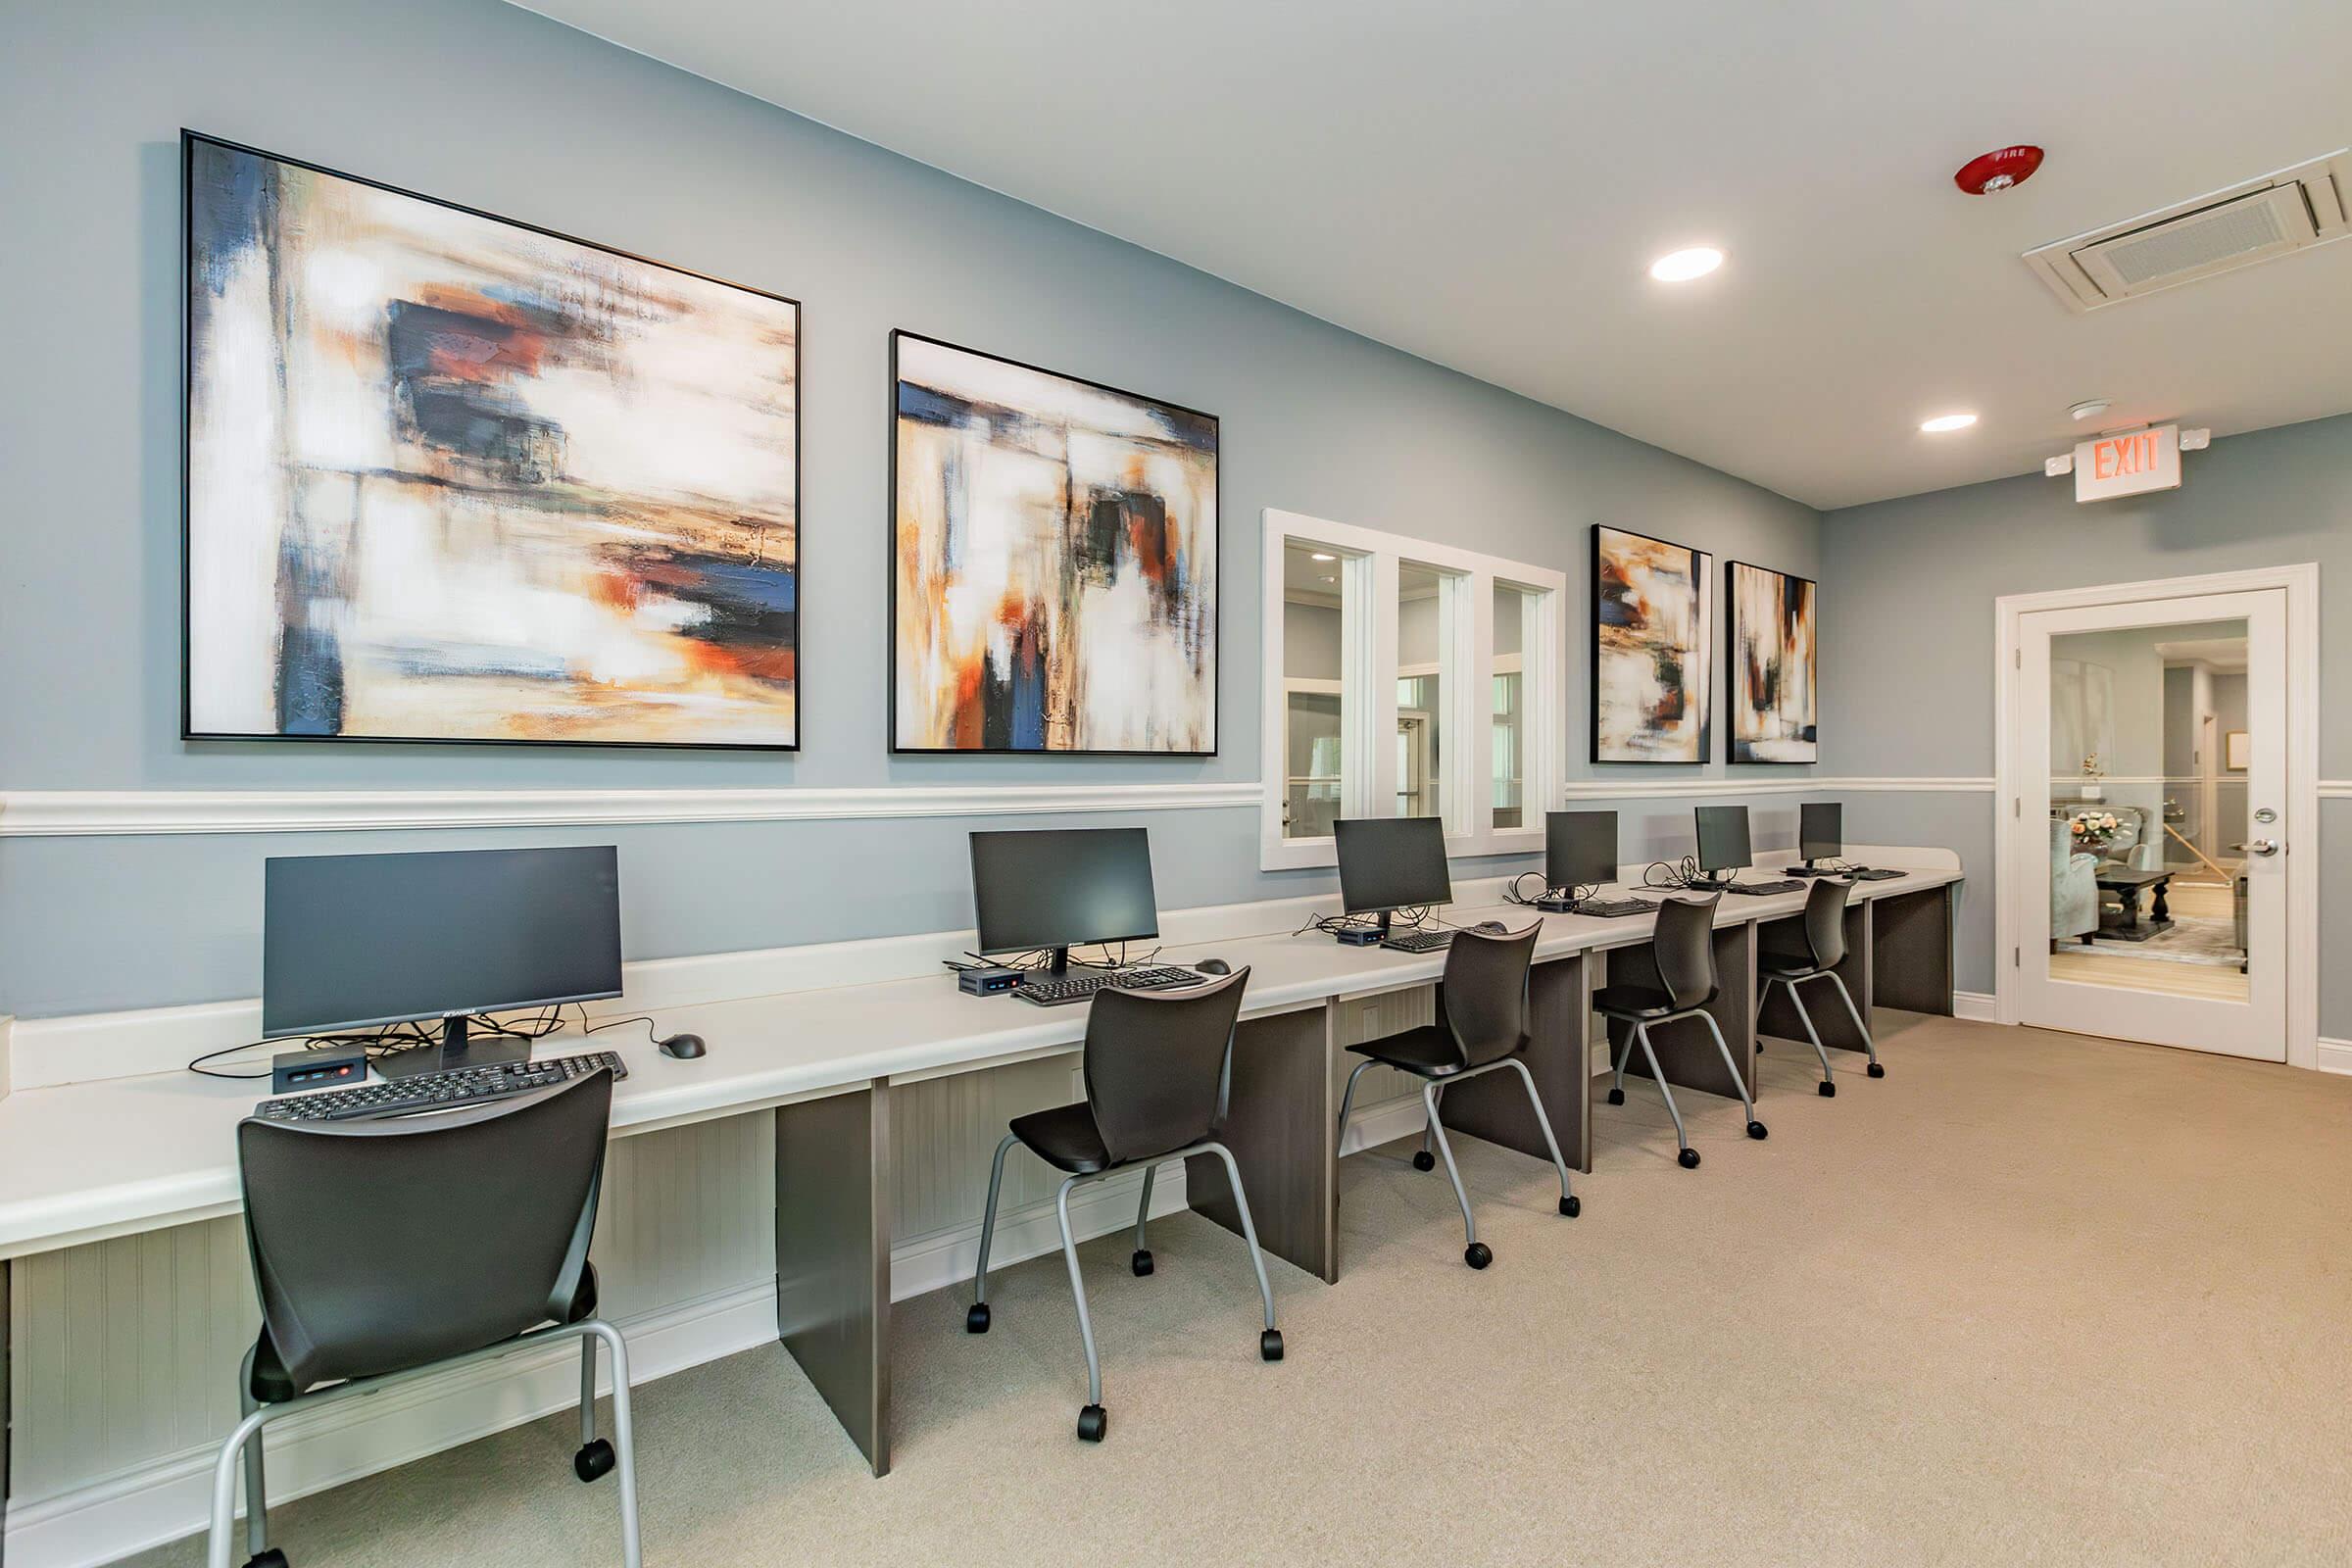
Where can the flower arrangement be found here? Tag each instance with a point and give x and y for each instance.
(2095, 830)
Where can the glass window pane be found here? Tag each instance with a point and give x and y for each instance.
(1313, 669)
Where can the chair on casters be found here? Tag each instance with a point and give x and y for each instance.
(1824, 950)
(1482, 1029)
(1159, 1069)
(1685, 947)
(383, 1250)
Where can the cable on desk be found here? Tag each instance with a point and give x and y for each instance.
(1671, 873)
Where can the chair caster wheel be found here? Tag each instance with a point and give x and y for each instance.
(1141, 1262)
(273, 1558)
(1572, 1206)
(1423, 1159)
(1269, 1346)
(1828, 1089)
(1878, 1069)
(1092, 1424)
(1616, 1097)
(1689, 1158)
(1477, 1255)
(1758, 1131)
(976, 1320)
(594, 1461)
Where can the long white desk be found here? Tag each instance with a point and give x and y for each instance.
(85, 1161)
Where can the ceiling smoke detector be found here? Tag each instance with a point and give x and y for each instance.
(1991, 173)
(2089, 409)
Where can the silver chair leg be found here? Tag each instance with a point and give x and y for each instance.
(217, 1542)
(1569, 1203)
(1805, 1017)
(1348, 1102)
(1624, 1056)
(587, 1390)
(1436, 1109)
(1086, 1323)
(1755, 1128)
(1658, 1076)
(1475, 1252)
(625, 1437)
(1868, 1044)
(257, 1486)
(978, 1321)
(1141, 1262)
(1241, 1201)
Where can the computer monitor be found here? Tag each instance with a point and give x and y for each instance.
(1579, 848)
(1723, 838)
(1058, 888)
(1821, 831)
(353, 942)
(1392, 862)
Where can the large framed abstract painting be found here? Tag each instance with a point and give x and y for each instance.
(1053, 562)
(1654, 632)
(454, 478)
(1774, 683)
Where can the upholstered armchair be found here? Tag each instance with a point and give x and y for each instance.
(2138, 845)
(2074, 884)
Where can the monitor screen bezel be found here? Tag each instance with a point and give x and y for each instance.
(980, 941)
(1807, 843)
(1385, 823)
(1698, 820)
(1554, 824)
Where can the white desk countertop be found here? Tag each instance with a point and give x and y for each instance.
(80, 1162)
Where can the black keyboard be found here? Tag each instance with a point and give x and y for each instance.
(1602, 909)
(438, 1090)
(1760, 889)
(1047, 991)
(1420, 941)
(1866, 873)
(1860, 874)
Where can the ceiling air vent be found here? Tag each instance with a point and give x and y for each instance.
(2288, 211)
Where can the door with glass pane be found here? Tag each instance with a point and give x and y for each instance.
(2153, 735)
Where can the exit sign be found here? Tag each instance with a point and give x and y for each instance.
(2128, 464)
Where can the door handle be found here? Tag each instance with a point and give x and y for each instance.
(2258, 847)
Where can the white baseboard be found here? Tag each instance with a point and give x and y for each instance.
(2333, 1056)
(169, 1498)
(1978, 1006)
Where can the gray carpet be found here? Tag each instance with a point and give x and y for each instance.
(2031, 1298)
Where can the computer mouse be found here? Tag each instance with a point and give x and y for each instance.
(683, 1046)
(1493, 928)
(1213, 966)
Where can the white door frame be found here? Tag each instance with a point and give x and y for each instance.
(2301, 829)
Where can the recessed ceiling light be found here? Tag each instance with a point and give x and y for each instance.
(1948, 422)
(1681, 267)
(1330, 579)
(1320, 556)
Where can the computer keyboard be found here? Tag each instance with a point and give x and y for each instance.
(1602, 909)
(1048, 992)
(438, 1090)
(1860, 874)
(1759, 889)
(1430, 941)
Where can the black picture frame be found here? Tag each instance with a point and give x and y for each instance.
(1702, 574)
(189, 140)
(890, 629)
(1731, 668)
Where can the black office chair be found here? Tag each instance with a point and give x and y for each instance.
(386, 1250)
(1159, 1071)
(1484, 1029)
(1822, 951)
(1684, 944)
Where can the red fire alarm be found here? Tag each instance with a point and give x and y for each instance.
(1989, 174)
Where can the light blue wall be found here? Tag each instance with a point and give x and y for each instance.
(484, 104)
(1908, 637)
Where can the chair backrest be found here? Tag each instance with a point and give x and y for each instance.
(381, 1246)
(1158, 1065)
(1825, 920)
(1486, 992)
(1683, 944)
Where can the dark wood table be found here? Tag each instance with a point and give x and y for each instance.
(2127, 885)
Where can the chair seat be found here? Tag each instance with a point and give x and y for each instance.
(1789, 965)
(1642, 1004)
(1064, 1138)
(272, 1385)
(1428, 1051)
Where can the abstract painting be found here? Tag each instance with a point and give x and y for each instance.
(1053, 562)
(1773, 695)
(453, 478)
(1653, 631)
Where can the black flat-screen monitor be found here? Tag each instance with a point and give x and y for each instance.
(1820, 830)
(1059, 888)
(1723, 838)
(355, 942)
(1579, 848)
(1392, 862)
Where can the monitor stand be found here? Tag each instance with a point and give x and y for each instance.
(458, 1049)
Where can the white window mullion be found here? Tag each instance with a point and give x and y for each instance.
(1368, 707)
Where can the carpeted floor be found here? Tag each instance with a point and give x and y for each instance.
(2031, 1298)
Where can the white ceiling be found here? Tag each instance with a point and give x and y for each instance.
(1484, 183)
